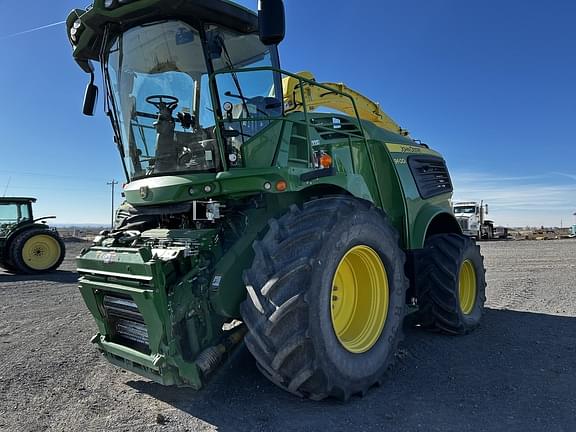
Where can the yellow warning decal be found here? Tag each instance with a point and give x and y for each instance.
(413, 149)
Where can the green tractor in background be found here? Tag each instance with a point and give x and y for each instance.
(27, 245)
(261, 206)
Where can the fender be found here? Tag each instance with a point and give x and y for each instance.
(25, 227)
(433, 219)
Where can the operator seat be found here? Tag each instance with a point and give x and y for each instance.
(197, 150)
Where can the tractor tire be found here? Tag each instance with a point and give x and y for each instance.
(454, 285)
(303, 334)
(37, 251)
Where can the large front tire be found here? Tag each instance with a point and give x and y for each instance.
(326, 298)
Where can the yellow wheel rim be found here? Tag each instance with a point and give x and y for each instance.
(41, 252)
(467, 287)
(359, 299)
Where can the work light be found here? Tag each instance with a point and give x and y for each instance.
(74, 30)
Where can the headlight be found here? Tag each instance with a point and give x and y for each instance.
(74, 30)
(111, 4)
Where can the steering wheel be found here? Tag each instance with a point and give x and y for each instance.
(163, 102)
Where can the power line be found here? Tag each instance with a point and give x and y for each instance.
(63, 176)
(32, 30)
(53, 188)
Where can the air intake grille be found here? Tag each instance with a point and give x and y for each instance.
(431, 175)
(463, 222)
(126, 322)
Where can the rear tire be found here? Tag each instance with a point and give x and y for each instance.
(295, 333)
(37, 251)
(454, 285)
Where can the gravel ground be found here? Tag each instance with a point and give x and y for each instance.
(516, 373)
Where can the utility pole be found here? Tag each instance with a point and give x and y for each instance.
(10, 178)
(113, 183)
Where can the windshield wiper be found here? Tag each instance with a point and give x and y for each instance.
(234, 76)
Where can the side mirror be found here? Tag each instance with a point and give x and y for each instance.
(271, 21)
(90, 99)
(486, 208)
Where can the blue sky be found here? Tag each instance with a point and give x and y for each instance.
(491, 85)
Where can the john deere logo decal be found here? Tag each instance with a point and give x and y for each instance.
(109, 258)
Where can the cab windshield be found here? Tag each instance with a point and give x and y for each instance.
(465, 209)
(12, 214)
(158, 81)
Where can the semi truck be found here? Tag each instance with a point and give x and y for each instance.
(471, 216)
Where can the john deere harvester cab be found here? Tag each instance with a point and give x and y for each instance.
(261, 206)
(27, 245)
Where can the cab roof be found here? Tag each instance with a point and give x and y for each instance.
(18, 200)
(93, 21)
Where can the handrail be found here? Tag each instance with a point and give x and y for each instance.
(301, 80)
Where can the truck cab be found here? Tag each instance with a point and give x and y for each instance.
(471, 216)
